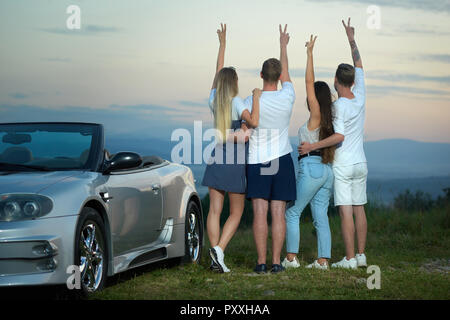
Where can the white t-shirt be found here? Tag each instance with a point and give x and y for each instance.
(237, 104)
(270, 140)
(349, 116)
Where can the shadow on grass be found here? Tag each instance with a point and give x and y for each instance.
(38, 293)
(139, 271)
(60, 292)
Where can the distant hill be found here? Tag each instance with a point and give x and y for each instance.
(407, 158)
(385, 190)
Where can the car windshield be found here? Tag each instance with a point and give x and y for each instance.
(25, 147)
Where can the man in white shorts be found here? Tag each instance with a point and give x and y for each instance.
(350, 164)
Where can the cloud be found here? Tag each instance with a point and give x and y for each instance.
(64, 60)
(85, 30)
(143, 120)
(99, 29)
(445, 58)
(426, 30)
(406, 77)
(143, 108)
(435, 6)
(379, 90)
(199, 104)
(19, 95)
(390, 30)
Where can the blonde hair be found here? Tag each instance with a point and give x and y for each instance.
(227, 89)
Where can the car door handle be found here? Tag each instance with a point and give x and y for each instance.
(105, 196)
(156, 188)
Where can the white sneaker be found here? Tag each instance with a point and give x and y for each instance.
(347, 264)
(218, 256)
(361, 260)
(317, 265)
(290, 264)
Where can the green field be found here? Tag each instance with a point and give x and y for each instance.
(412, 250)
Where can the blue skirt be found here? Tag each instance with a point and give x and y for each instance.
(226, 171)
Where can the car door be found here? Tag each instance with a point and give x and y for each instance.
(135, 208)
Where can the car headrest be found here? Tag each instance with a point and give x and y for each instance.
(84, 156)
(18, 155)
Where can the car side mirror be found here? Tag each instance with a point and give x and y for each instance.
(123, 161)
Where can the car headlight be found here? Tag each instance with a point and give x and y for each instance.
(15, 207)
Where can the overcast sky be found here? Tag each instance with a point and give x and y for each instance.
(146, 67)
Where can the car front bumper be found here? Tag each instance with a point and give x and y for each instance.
(36, 252)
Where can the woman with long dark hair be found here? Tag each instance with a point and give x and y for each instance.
(315, 175)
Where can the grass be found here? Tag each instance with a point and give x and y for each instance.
(411, 249)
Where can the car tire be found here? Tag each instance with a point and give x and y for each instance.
(91, 254)
(193, 234)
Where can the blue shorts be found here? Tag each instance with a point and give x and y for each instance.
(280, 185)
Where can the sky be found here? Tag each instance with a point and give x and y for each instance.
(146, 67)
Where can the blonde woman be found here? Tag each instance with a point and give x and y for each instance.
(227, 174)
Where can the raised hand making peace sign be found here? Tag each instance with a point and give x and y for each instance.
(284, 36)
(222, 33)
(349, 30)
(310, 44)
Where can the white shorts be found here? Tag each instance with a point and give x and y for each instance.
(350, 185)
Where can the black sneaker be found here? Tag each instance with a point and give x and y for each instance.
(214, 258)
(260, 268)
(214, 266)
(277, 268)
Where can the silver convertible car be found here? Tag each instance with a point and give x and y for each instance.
(71, 213)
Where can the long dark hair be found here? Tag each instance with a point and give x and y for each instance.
(324, 97)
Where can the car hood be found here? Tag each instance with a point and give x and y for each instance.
(32, 182)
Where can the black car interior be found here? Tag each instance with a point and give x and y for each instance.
(23, 155)
(20, 155)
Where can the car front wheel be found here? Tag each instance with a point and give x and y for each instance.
(91, 253)
(193, 234)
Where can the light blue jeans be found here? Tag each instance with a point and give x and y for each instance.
(314, 186)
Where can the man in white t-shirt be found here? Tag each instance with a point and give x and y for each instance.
(350, 164)
(270, 169)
